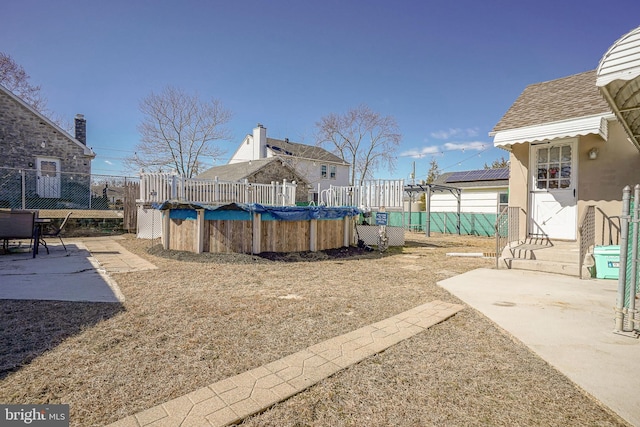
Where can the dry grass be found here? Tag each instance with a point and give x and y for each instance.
(200, 319)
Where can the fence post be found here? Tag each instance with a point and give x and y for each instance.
(428, 215)
(174, 192)
(24, 189)
(284, 185)
(274, 192)
(622, 277)
(631, 313)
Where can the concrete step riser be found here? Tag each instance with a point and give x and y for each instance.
(569, 269)
(556, 254)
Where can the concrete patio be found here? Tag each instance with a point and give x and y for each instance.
(568, 322)
(81, 273)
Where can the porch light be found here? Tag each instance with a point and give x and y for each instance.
(593, 153)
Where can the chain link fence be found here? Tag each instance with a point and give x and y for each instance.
(107, 198)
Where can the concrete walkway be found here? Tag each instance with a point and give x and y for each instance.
(113, 257)
(568, 322)
(238, 397)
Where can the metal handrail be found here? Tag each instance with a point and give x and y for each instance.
(586, 234)
(507, 229)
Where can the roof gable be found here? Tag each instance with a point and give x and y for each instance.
(311, 152)
(566, 98)
(241, 170)
(87, 151)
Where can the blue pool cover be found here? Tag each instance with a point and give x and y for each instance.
(282, 213)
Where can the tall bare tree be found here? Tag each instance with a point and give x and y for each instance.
(16, 79)
(361, 137)
(178, 131)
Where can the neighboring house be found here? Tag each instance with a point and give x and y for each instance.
(261, 171)
(319, 167)
(57, 165)
(569, 151)
(483, 191)
(483, 195)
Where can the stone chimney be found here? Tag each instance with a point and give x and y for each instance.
(81, 128)
(259, 142)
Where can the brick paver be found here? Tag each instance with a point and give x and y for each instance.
(238, 397)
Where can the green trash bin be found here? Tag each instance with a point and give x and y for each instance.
(607, 261)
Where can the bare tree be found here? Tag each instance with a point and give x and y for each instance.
(14, 78)
(179, 130)
(361, 137)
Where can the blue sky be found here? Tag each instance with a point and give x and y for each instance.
(446, 70)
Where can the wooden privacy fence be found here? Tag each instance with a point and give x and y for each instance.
(130, 219)
(160, 187)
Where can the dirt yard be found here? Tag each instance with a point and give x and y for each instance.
(201, 318)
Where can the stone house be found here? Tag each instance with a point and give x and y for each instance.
(260, 171)
(40, 159)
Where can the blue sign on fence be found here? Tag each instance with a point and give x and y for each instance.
(381, 218)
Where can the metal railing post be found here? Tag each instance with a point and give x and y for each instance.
(631, 313)
(624, 236)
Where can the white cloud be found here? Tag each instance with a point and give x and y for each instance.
(108, 162)
(475, 145)
(457, 132)
(420, 153)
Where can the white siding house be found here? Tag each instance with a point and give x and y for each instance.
(483, 191)
(483, 195)
(320, 168)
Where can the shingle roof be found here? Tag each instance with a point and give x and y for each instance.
(472, 183)
(236, 171)
(562, 99)
(301, 150)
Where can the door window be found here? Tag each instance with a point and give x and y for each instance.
(554, 167)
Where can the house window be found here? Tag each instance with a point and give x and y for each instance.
(503, 201)
(554, 167)
(323, 171)
(332, 172)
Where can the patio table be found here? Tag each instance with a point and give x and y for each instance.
(37, 233)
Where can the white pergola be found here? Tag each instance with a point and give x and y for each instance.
(428, 189)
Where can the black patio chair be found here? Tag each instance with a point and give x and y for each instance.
(53, 231)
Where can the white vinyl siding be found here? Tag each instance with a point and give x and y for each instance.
(471, 201)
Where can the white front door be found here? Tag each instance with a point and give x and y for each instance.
(48, 178)
(553, 192)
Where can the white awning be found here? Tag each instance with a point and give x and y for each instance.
(618, 78)
(563, 129)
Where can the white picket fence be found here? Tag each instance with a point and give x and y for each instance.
(373, 194)
(160, 187)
